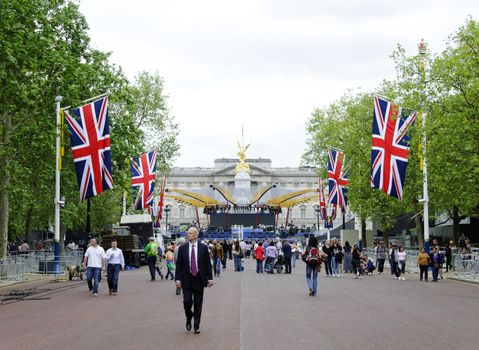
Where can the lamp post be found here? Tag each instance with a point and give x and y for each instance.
(422, 46)
(167, 210)
(318, 210)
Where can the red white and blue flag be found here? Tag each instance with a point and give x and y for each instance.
(90, 140)
(322, 202)
(390, 146)
(337, 179)
(143, 174)
(157, 205)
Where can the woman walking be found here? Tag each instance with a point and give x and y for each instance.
(237, 256)
(401, 264)
(312, 257)
(337, 258)
(328, 252)
(348, 267)
(217, 257)
(356, 262)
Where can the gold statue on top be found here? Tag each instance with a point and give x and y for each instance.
(242, 165)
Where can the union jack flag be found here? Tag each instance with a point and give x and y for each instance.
(337, 179)
(390, 146)
(143, 174)
(322, 201)
(90, 139)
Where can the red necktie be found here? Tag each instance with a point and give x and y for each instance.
(194, 269)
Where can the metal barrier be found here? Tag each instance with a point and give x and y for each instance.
(461, 263)
(16, 266)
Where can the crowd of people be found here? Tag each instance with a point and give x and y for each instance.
(192, 263)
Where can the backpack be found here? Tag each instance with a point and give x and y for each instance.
(312, 257)
(423, 259)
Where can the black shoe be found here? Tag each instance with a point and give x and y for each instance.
(152, 280)
(197, 331)
(188, 325)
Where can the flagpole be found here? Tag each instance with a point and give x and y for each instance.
(90, 99)
(422, 51)
(58, 202)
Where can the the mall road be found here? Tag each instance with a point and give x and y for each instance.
(245, 310)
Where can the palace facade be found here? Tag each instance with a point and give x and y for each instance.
(262, 173)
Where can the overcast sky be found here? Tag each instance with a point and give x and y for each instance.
(264, 64)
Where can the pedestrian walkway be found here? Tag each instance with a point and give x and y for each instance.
(246, 310)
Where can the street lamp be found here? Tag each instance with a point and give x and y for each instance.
(167, 210)
(318, 210)
(422, 46)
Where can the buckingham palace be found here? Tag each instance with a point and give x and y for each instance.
(262, 174)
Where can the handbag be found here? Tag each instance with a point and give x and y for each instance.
(304, 257)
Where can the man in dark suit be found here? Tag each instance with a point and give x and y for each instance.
(193, 274)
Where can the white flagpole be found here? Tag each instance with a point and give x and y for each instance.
(58, 202)
(422, 51)
(90, 99)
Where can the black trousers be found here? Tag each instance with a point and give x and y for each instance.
(448, 263)
(327, 264)
(287, 265)
(423, 271)
(380, 265)
(194, 296)
(151, 265)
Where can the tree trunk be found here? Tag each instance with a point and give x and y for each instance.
(28, 223)
(419, 230)
(4, 185)
(456, 219)
(363, 233)
(386, 238)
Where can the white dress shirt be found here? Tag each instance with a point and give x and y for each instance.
(115, 256)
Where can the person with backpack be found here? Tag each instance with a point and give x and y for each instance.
(312, 256)
(423, 262)
(151, 251)
(259, 256)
